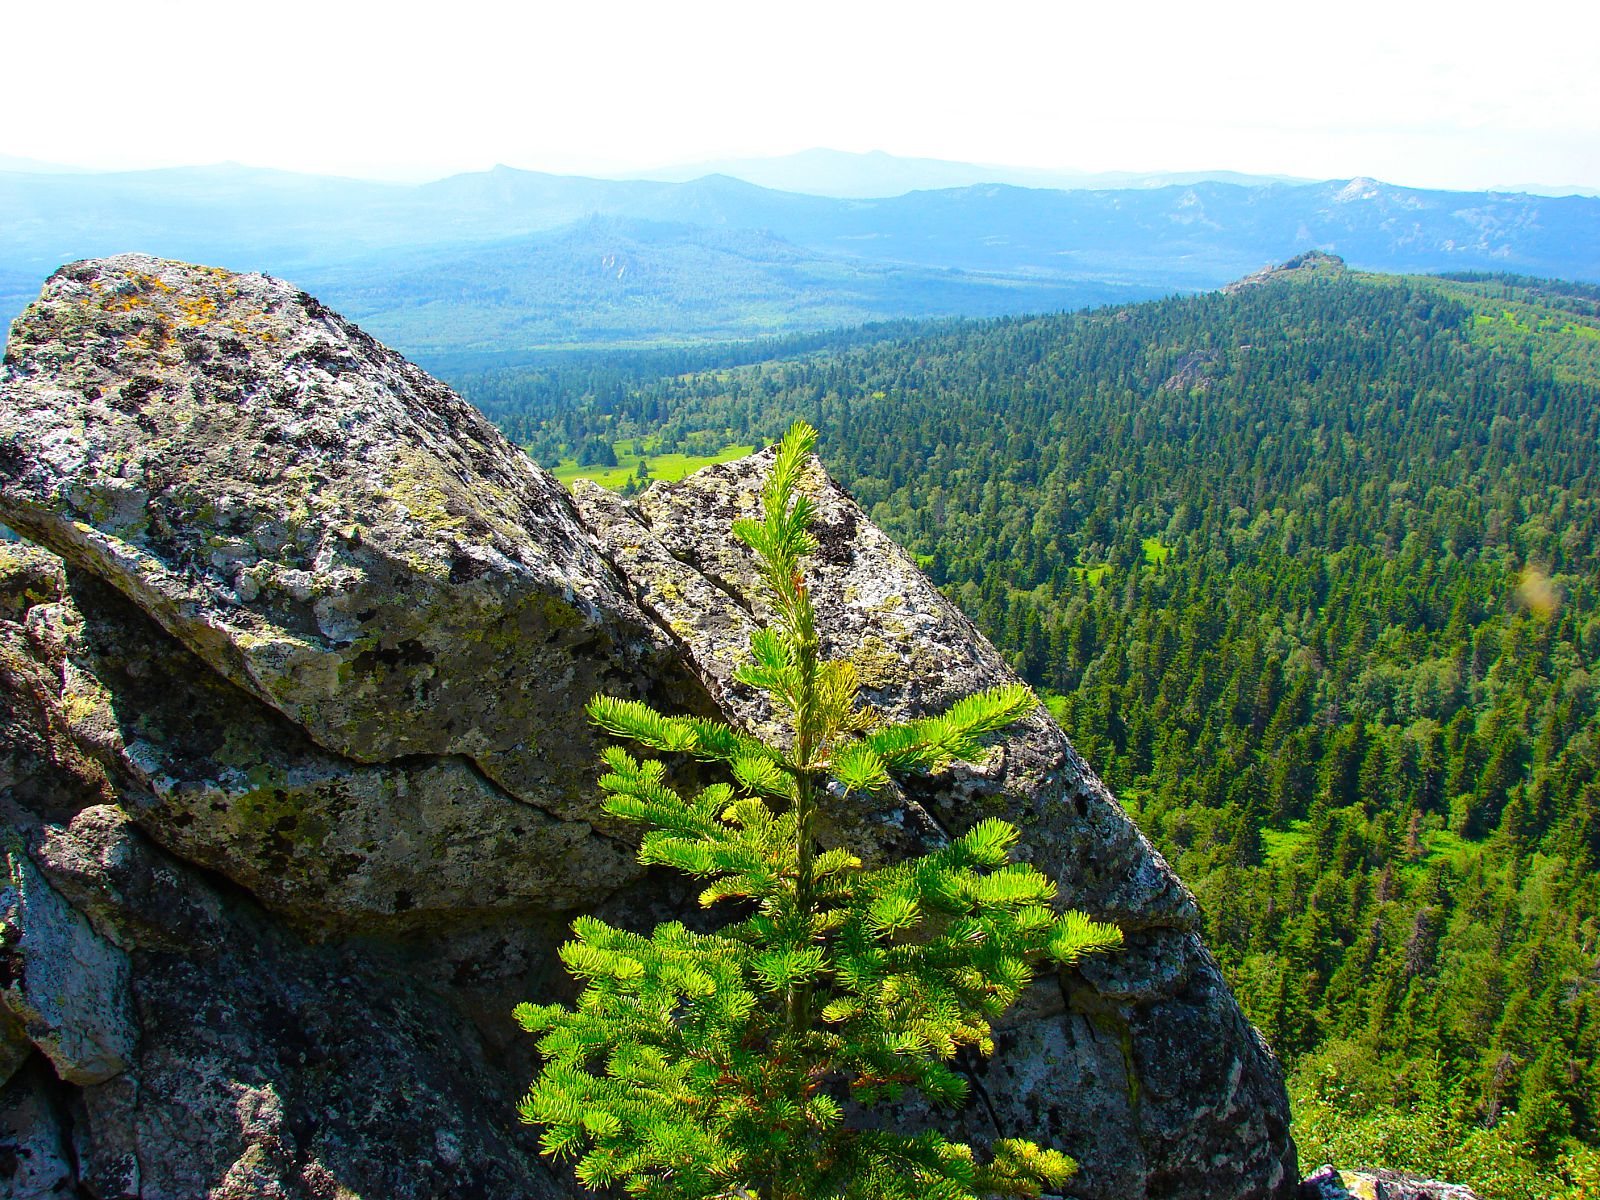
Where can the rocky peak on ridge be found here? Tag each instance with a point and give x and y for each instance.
(1312, 262)
(300, 795)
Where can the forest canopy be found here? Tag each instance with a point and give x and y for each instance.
(1309, 574)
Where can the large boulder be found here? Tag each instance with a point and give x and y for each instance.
(293, 732)
(332, 530)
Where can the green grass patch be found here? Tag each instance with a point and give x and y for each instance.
(1156, 552)
(1517, 318)
(1282, 846)
(671, 467)
(1443, 845)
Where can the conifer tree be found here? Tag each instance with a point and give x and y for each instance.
(713, 1066)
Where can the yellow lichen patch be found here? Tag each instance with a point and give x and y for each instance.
(150, 338)
(79, 709)
(123, 302)
(427, 504)
(876, 662)
(425, 566)
(245, 328)
(560, 615)
(197, 310)
(420, 486)
(135, 293)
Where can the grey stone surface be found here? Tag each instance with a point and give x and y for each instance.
(35, 1154)
(329, 527)
(297, 731)
(227, 782)
(267, 1066)
(67, 986)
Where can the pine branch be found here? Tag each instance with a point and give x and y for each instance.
(706, 1066)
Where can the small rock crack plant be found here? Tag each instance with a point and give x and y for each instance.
(718, 1065)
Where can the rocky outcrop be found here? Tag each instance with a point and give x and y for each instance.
(293, 759)
(1312, 262)
(1328, 1184)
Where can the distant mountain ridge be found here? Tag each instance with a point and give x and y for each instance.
(875, 175)
(609, 280)
(390, 253)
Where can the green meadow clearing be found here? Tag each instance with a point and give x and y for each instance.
(671, 467)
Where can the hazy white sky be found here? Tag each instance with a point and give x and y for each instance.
(1458, 94)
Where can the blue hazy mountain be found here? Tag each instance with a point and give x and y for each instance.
(846, 175)
(11, 162)
(614, 280)
(513, 254)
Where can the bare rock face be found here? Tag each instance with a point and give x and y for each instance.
(35, 1149)
(1311, 262)
(294, 766)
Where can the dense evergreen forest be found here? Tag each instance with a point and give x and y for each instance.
(1311, 574)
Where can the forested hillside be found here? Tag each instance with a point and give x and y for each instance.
(1312, 572)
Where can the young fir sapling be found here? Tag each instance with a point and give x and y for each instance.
(712, 1066)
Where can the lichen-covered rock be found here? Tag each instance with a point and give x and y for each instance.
(1328, 1184)
(133, 896)
(229, 783)
(383, 619)
(28, 576)
(266, 1067)
(327, 526)
(105, 1139)
(43, 768)
(62, 982)
(297, 732)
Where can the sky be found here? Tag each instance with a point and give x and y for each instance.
(1465, 95)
